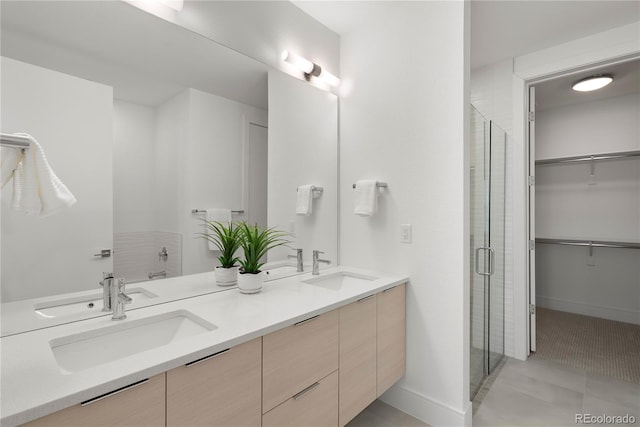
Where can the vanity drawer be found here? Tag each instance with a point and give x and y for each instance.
(315, 405)
(140, 404)
(297, 356)
(222, 390)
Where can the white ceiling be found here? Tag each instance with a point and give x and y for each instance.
(146, 59)
(557, 92)
(499, 29)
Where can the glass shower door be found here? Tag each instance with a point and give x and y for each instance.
(487, 190)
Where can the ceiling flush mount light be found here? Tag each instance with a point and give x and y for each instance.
(309, 68)
(592, 83)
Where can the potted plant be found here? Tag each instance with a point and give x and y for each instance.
(227, 239)
(255, 244)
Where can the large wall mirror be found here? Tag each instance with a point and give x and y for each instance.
(145, 122)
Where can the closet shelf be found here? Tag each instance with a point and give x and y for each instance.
(590, 243)
(589, 158)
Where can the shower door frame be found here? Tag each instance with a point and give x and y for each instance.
(489, 362)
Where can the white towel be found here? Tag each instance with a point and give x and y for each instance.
(304, 202)
(37, 189)
(366, 197)
(10, 159)
(217, 215)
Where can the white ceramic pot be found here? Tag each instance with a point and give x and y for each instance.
(249, 283)
(226, 276)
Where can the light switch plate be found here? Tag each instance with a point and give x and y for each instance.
(405, 233)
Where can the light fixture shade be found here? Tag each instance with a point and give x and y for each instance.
(330, 78)
(303, 64)
(592, 83)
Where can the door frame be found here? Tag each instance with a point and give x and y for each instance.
(538, 67)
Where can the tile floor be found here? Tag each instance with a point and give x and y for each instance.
(379, 414)
(532, 393)
(545, 393)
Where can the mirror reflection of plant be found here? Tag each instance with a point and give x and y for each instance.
(256, 243)
(225, 237)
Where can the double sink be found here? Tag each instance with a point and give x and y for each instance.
(92, 348)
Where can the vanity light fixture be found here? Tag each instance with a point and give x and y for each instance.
(592, 83)
(309, 68)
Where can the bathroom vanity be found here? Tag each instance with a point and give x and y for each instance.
(306, 350)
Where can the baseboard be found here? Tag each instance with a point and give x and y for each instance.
(611, 313)
(425, 409)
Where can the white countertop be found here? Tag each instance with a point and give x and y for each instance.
(33, 385)
(21, 316)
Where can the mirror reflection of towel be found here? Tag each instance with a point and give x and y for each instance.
(366, 197)
(220, 215)
(37, 190)
(304, 201)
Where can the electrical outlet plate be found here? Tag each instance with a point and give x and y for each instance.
(405, 233)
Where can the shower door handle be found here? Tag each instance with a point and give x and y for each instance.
(492, 262)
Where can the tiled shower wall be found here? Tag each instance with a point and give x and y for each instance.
(136, 254)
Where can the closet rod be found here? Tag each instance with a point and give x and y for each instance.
(14, 141)
(590, 243)
(577, 159)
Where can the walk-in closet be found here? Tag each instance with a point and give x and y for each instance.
(586, 199)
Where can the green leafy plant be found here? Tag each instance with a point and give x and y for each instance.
(227, 238)
(256, 243)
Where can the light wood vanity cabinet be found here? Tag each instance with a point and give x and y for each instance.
(322, 371)
(357, 357)
(140, 404)
(219, 390)
(391, 337)
(296, 357)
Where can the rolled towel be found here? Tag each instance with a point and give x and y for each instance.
(304, 201)
(220, 215)
(41, 191)
(366, 197)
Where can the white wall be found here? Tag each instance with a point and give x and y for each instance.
(567, 206)
(212, 168)
(404, 121)
(303, 149)
(133, 160)
(71, 118)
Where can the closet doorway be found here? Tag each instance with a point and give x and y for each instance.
(585, 222)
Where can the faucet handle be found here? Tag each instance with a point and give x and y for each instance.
(105, 276)
(120, 291)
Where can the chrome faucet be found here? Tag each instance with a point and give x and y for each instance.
(317, 261)
(107, 286)
(120, 300)
(298, 257)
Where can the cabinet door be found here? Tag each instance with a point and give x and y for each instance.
(298, 356)
(140, 404)
(391, 337)
(223, 390)
(316, 405)
(357, 357)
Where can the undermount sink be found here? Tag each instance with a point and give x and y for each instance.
(77, 352)
(87, 304)
(339, 279)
